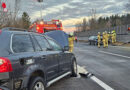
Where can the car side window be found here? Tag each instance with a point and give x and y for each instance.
(22, 43)
(36, 45)
(42, 41)
(55, 46)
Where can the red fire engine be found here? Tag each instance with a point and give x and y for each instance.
(46, 26)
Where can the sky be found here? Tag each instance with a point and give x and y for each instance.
(69, 11)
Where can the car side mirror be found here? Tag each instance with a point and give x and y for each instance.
(66, 48)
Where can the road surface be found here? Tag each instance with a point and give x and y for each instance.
(110, 66)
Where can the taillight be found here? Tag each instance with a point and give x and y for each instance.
(5, 65)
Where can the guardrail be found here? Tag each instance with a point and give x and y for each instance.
(122, 33)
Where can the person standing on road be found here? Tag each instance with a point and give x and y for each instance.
(113, 36)
(106, 38)
(76, 40)
(71, 42)
(99, 39)
(103, 39)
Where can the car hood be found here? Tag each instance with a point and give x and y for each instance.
(60, 36)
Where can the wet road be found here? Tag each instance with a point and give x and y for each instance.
(109, 65)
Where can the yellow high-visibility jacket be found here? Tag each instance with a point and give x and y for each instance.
(99, 38)
(106, 37)
(71, 41)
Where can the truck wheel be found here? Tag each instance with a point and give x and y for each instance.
(37, 83)
(74, 69)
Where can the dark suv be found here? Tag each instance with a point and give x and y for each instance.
(30, 61)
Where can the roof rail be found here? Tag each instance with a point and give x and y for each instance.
(14, 29)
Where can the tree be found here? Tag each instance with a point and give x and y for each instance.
(93, 20)
(84, 25)
(26, 20)
(78, 26)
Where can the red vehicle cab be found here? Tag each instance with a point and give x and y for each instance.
(46, 26)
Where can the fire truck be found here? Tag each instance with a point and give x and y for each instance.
(46, 26)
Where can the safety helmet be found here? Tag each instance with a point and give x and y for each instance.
(71, 34)
(98, 32)
(114, 31)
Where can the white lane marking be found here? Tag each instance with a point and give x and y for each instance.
(99, 82)
(115, 54)
(102, 84)
(120, 47)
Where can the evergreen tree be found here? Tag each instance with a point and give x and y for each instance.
(26, 20)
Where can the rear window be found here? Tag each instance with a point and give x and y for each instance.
(22, 43)
(4, 44)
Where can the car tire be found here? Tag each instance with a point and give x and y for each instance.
(74, 68)
(89, 42)
(37, 83)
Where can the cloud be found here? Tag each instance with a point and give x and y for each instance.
(70, 11)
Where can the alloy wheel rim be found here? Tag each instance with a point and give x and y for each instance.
(39, 86)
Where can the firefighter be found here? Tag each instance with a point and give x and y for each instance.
(99, 39)
(103, 39)
(106, 38)
(71, 42)
(113, 36)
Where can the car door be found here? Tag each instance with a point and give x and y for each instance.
(50, 59)
(64, 62)
(22, 55)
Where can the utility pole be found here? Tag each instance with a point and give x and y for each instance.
(41, 11)
(40, 1)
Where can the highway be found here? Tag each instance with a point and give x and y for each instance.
(110, 66)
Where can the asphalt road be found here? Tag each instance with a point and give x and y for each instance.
(110, 66)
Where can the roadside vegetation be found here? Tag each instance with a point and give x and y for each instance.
(95, 22)
(12, 18)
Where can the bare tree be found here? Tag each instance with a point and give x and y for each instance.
(78, 26)
(84, 25)
(92, 20)
(16, 9)
(108, 24)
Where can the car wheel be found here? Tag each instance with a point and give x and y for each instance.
(89, 42)
(37, 83)
(74, 68)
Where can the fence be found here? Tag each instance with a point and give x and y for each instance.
(122, 32)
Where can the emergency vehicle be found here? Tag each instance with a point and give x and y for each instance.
(46, 26)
